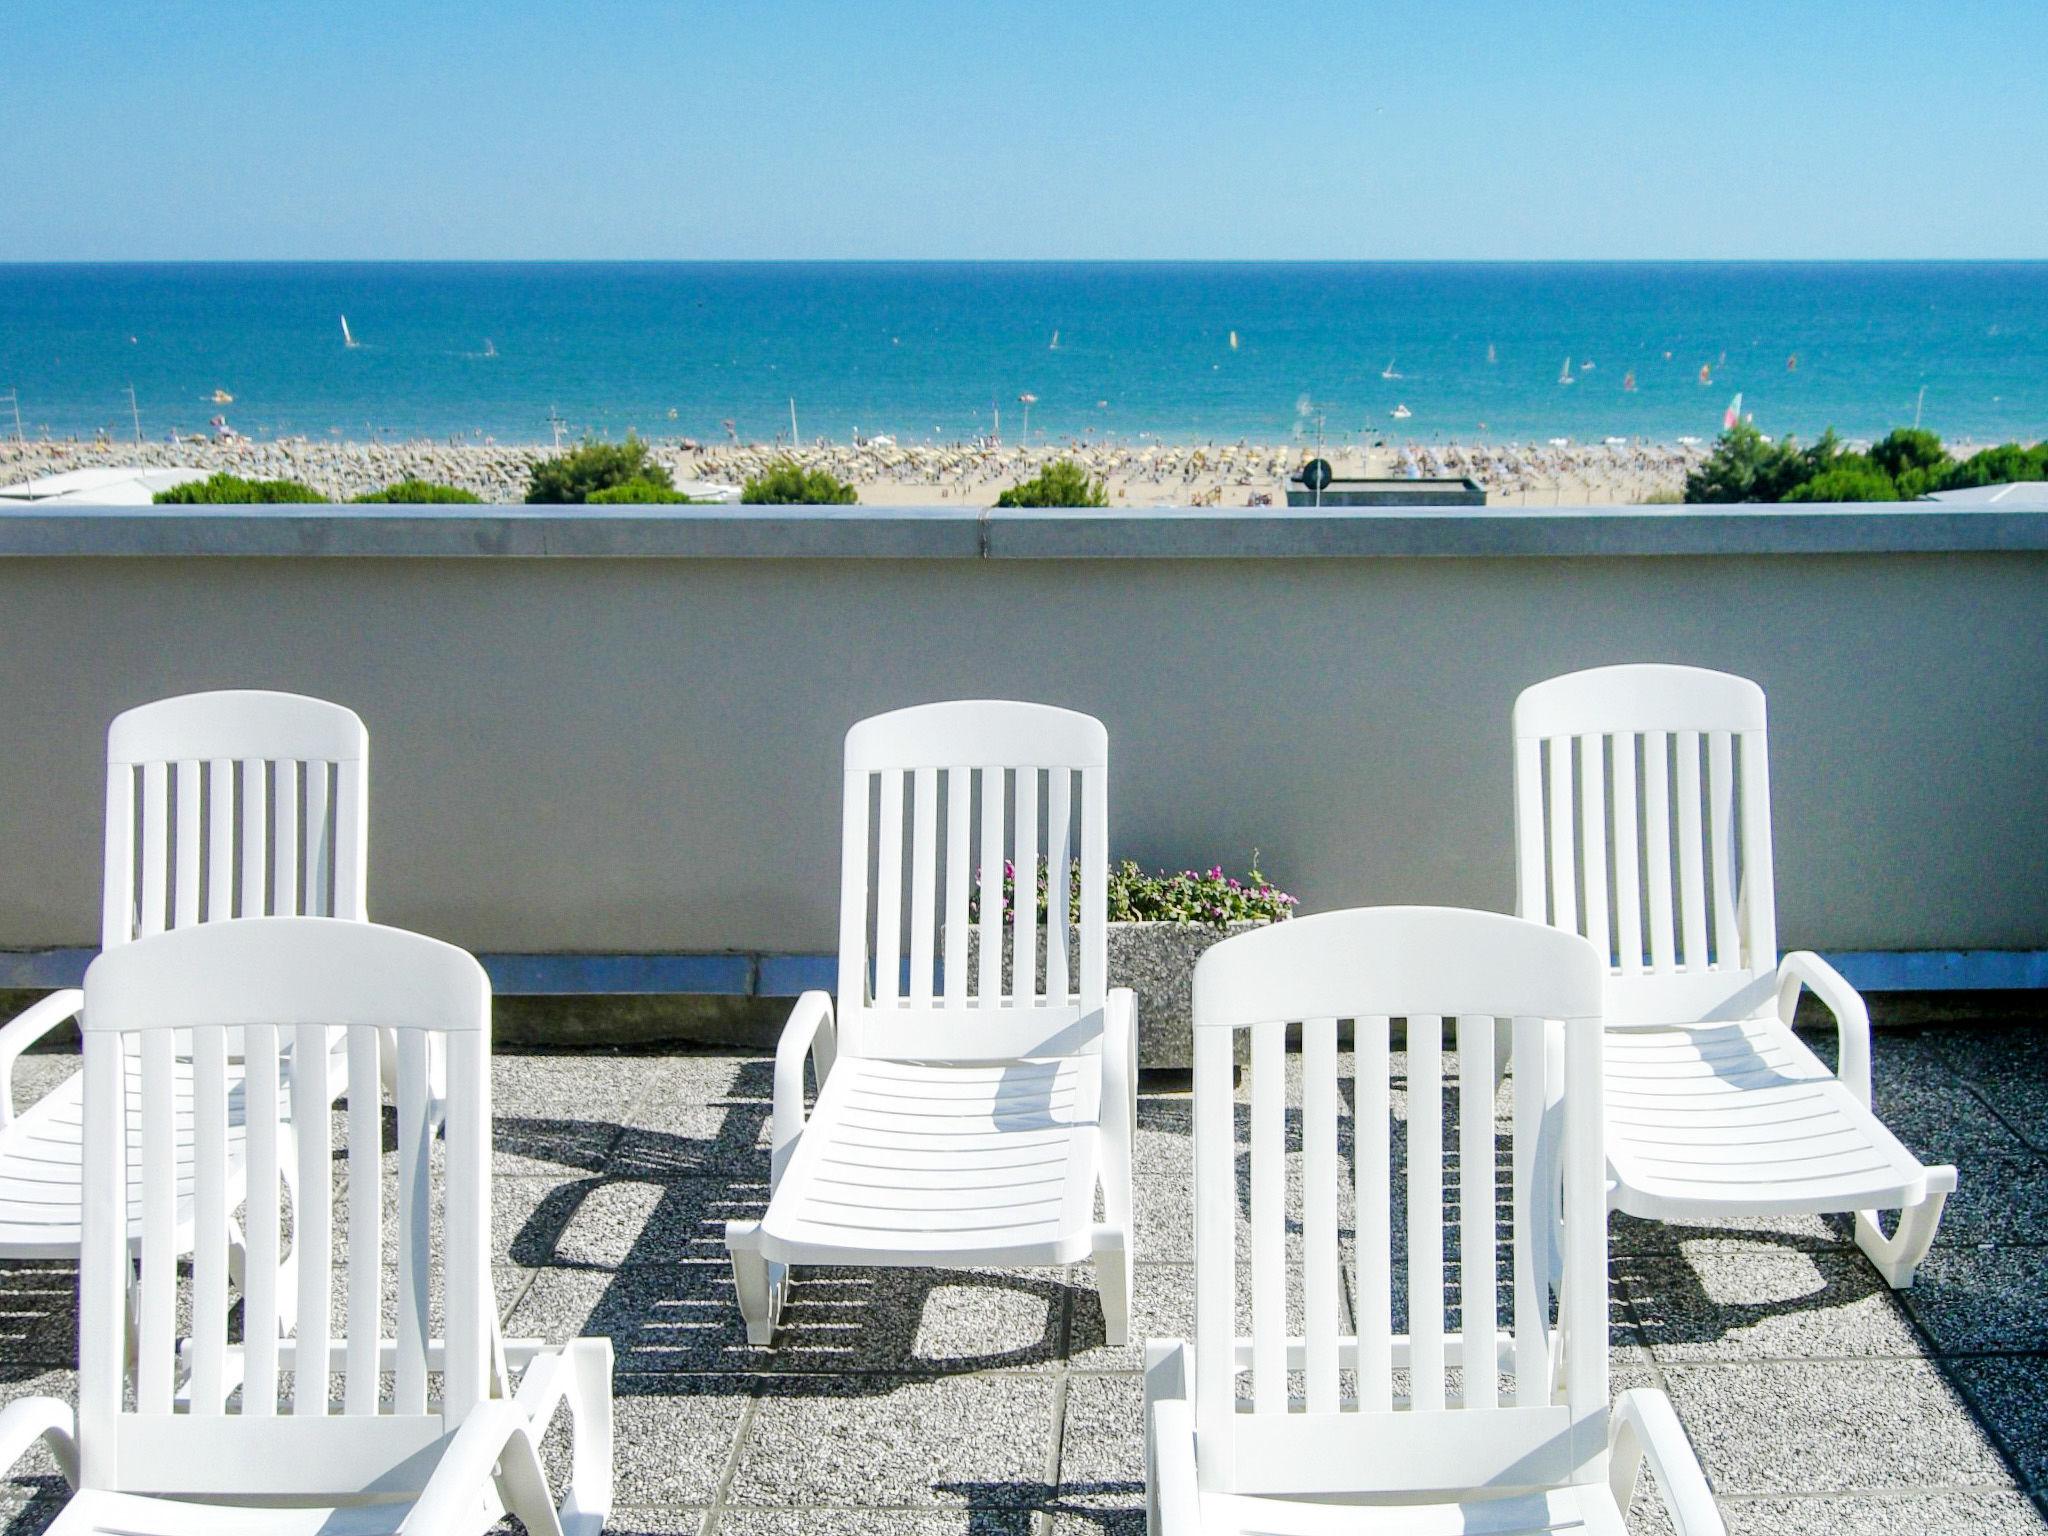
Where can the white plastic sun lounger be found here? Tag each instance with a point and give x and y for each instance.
(1643, 820)
(970, 1120)
(1478, 1410)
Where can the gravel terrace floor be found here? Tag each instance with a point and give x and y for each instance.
(928, 1402)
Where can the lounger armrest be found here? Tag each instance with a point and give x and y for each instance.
(23, 1031)
(1171, 1481)
(494, 1431)
(809, 1032)
(29, 1419)
(1803, 968)
(1643, 1428)
(1119, 1103)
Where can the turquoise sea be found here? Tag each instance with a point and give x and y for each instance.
(1180, 351)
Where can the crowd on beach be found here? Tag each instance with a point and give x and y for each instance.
(968, 473)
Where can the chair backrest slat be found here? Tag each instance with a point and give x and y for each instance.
(313, 1231)
(187, 834)
(924, 873)
(1321, 1300)
(210, 1113)
(156, 848)
(1427, 968)
(1373, 1135)
(1269, 1216)
(1478, 1294)
(156, 1343)
(264, 1105)
(959, 882)
(1012, 981)
(366, 1220)
(1668, 817)
(276, 989)
(1426, 1210)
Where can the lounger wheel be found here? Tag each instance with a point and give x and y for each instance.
(759, 1282)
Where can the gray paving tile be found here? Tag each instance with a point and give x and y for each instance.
(1930, 1108)
(613, 1222)
(700, 1114)
(1999, 1198)
(1842, 1426)
(670, 1318)
(1162, 1307)
(1102, 1451)
(1113, 1521)
(869, 1522)
(977, 1441)
(655, 1522)
(2012, 1393)
(1732, 1300)
(1982, 1298)
(1634, 1237)
(38, 1314)
(672, 1439)
(560, 1114)
(1894, 1514)
(2008, 1065)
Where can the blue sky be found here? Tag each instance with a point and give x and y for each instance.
(158, 129)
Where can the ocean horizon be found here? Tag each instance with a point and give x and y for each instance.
(1181, 351)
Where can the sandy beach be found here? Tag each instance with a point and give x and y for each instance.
(955, 474)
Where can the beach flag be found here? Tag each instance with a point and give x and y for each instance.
(1734, 412)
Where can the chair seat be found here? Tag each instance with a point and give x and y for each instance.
(40, 1170)
(911, 1163)
(1742, 1118)
(97, 1512)
(1578, 1511)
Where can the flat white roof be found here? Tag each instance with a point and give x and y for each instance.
(2025, 496)
(110, 487)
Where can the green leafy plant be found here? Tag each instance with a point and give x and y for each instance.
(2006, 464)
(1913, 458)
(224, 489)
(787, 483)
(574, 477)
(1747, 466)
(1209, 897)
(1062, 483)
(418, 493)
(635, 493)
(1852, 477)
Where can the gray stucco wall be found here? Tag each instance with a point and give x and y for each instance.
(642, 754)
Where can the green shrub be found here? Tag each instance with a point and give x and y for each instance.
(1852, 477)
(224, 489)
(635, 493)
(1191, 896)
(1747, 466)
(789, 484)
(575, 476)
(1913, 457)
(1062, 483)
(418, 493)
(2003, 465)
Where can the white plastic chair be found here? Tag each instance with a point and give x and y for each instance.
(230, 804)
(1643, 820)
(970, 1121)
(1482, 1412)
(324, 1430)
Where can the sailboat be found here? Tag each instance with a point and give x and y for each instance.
(1706, 373)
(1233, 341)
(489, 349)
(1401, 413)
(1565, 374)
(1628, 381)
(1490, 357)
(1054, 346)
(1388, 371)
(346, 339)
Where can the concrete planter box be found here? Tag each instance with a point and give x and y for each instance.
(1156, 961)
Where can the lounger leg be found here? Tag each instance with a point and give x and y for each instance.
(759, 1282)
(1897, 1257)
(1113, 1282)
